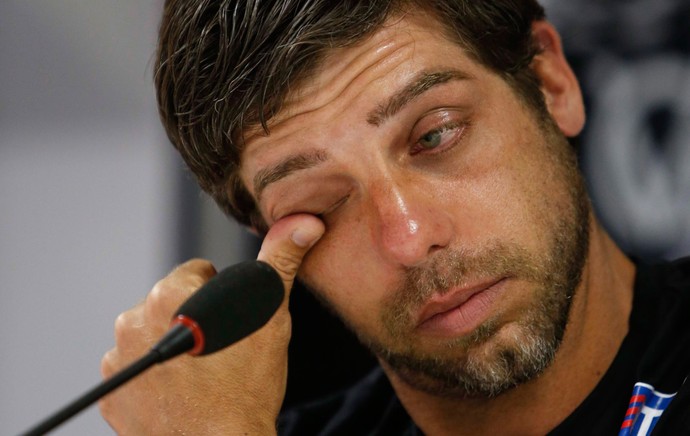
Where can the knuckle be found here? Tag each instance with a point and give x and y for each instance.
(286, 263)
(199, 269)
(158, 292)
(191, 285)
(107, 363)
(122, 326)
(203, 266)
(180, 283)
(163, 299)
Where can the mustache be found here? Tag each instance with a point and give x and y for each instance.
(456, 268)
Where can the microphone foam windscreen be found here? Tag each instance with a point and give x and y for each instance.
(235, 303)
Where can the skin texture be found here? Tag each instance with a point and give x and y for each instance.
(390, 211)
(229, 392)
(456, 172)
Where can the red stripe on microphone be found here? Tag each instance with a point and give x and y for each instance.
(199, 341)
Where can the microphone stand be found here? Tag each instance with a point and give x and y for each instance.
(211, 319)
(178, 340)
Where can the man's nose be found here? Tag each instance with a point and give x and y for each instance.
(407, 224)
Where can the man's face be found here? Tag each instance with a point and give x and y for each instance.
(456, 221)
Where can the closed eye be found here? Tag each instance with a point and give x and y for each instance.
(333, 207)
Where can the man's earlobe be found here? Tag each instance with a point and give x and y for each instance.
(558, 82)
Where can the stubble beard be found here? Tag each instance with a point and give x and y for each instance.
(493, 358)
(488, 362)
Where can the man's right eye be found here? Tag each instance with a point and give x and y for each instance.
(331, 209)
(315, 209)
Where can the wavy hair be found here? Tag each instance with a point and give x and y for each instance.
(224, 66)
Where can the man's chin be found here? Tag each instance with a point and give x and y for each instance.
(489, 364)
(451, 389)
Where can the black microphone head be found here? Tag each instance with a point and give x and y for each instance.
(234, 304)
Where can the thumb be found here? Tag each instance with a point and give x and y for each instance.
(287, 242)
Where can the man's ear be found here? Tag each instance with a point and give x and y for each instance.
(558, 82)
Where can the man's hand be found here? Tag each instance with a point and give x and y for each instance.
(238, 390)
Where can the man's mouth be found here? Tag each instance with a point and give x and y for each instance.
(460, 310)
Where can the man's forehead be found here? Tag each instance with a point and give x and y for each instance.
(345, 71)
(329, 75)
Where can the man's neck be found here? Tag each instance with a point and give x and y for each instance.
(597, 326)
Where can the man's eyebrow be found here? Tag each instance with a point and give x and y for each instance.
(285, 167)
(419, 85)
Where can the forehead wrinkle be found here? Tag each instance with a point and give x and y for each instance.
(285, 124)
(314, 100)
(343, 75)
(422, 83)
(285, 167)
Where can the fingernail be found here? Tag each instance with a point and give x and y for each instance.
(303, 238)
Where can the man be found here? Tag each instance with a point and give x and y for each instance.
(410, 159)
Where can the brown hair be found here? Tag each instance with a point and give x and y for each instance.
(224, 66)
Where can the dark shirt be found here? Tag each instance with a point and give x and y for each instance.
(643, 391)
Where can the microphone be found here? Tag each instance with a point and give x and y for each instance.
(232, 305)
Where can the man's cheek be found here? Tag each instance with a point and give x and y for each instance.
(331, 260)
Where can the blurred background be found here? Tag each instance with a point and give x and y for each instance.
(95, 205)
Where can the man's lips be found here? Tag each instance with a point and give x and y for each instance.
(459, 310)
